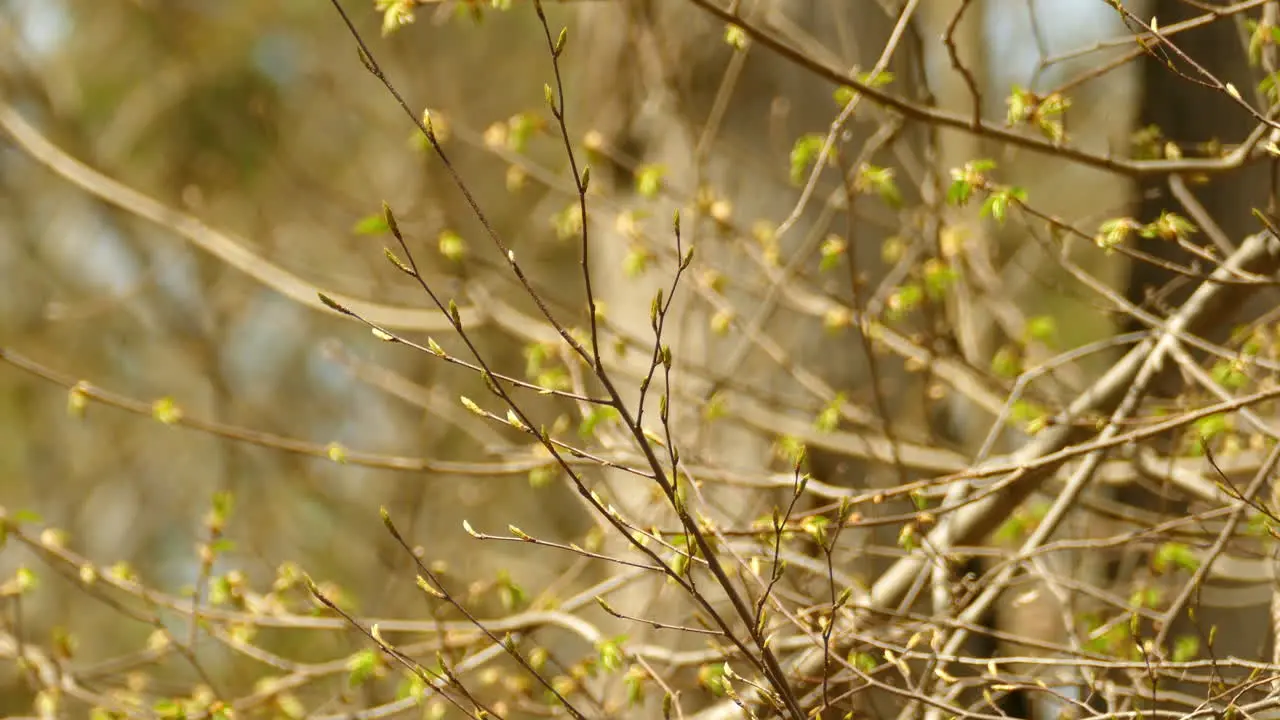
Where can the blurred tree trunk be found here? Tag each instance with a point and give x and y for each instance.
(1193, 116)
(978, 57)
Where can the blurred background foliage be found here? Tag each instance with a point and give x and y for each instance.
(260, 119)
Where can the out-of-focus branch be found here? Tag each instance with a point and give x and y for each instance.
(940, 118)
(1260, 253)
(86, 392)
(234, 251)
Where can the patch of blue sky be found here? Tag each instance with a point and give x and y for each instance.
(42, 24)
(1018, 44)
